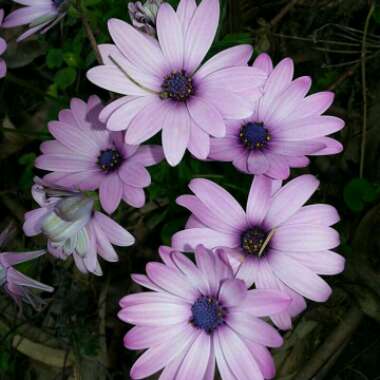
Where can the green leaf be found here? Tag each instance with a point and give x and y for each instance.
(54, 58)
(65, 77)
(357, 193)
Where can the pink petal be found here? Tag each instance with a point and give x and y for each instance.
(278, 81)
(185, 12)
(300, 278)
(13, 258)
(64, 163)
(254, 329)
(110, 193)
(206, 116)
(310, 128)
(110, 108)
(172, 281)
(224, 149)
(235, 56)
(140, 50)
(195, 363)
(134, 174)
(33, 221)
(199, 143)
(26, 15)
(331, 146)
(147, 122)
(305, 238)
(278, 166)
(258, 200)
(319, 214)
(205, 214)
(313, 105)
(123, 116)
(257, 162)
(148, 155)
(170, 36)
(295, 148)
(221, 202)
(200, 33)
(104, 247)
(134, 196)
(264, 63)
(155, 314)
(113, 79)
(287, 102)
(263, 358)
(265, 302)
(176, 134)
(234, 349)
(159, 356)
(290, 198)
(322, 262)
(115, 233)
(232, 292)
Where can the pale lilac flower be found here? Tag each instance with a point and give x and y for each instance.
(3, 47)
(167, 88)
(144, 16)
(74, 228)
(39, 15)
(276, 243)
(87, 156)
(19, 286)
(197, 316)
(285, 127)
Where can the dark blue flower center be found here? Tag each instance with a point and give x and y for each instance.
(109, 160)
(254, 135)
(177, 86)
(252, 241)
(208, 314)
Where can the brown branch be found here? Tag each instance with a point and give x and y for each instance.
(364, 88)
(332, 344)
(283, 12)
(347, 74)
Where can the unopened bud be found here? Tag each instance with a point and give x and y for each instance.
(74, 208)
(144, 16)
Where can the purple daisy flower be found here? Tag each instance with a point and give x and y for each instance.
(285, 127)
(74, 228)
(144, 16)
(277, 243)
(87, 156)
(197, 316)
(3, 47)
(40, 15)
(19, 286)
(166, 86)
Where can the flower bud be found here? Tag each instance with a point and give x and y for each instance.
(144, 16)
(74, 208)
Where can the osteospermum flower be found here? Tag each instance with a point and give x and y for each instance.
(19, 286)
(74, 228)
(86, 156)
(3, 47)
(166, 86)
(276, 243)
(39, 15)
(196, 315)
(144, 16)
(285, 127)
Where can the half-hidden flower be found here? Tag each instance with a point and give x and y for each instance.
(167, 88)
(286, 126)
(3, 47)
(197, 316)
(19, 286)
(74, 228)
(277, 243)
(144, 16)
(39, 15)
(86, 156)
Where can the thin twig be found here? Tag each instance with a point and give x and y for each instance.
(332, 344)
(347, 74)
(283, 12)
(364, 88)
(89, 32)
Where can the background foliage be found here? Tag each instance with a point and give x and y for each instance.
(77, 335)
